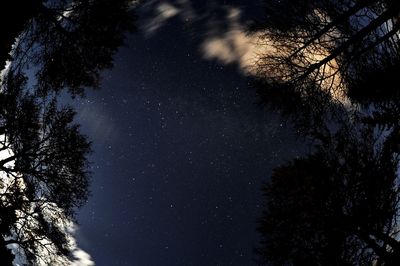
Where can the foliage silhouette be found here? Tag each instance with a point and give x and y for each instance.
(44, 178)
(11, 27)
(68, 43)
(333, 68)
(338, 206)
(320, 49)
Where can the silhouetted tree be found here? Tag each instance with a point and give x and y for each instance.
(14, 16)
(68, 43)
(59, 44)
(338, 206)
(43, 172)
(332, 65)
(320, 49)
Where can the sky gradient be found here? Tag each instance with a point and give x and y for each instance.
(181, 147)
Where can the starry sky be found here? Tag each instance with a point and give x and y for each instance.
(181, 146)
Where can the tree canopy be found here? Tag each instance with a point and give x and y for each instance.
(321, 49)
(44, 168)
(44, 172)
(57, 36)
(334, 71)
(337, 206)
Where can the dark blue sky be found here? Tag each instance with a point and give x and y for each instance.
(181, 149)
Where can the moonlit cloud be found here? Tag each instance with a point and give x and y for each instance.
(47, 251)
(78, 256)
(229, 44)
(3, 72)
(163, 12)
(82, 258)
(234, 45)
(247, 50)
(227, 40)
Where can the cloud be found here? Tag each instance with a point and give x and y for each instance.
(252, 53)
(26, 225)
(3, 73)
(45, 249)
(81, 258)
(225, 39)
(164, 11)
(8, 64)
(97, 122)
(234, 45)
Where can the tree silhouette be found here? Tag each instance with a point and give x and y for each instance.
(69, 42)
(338, 206)
(44, 175)
(319, 49)
(59, 45)
(11, 26)
(333, 68)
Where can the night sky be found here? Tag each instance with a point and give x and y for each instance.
(181, 148)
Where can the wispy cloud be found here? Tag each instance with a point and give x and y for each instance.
(227, 40)
(82, 258)
(234, 44)
(164, 11)
(252, 52)
(97, 122)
